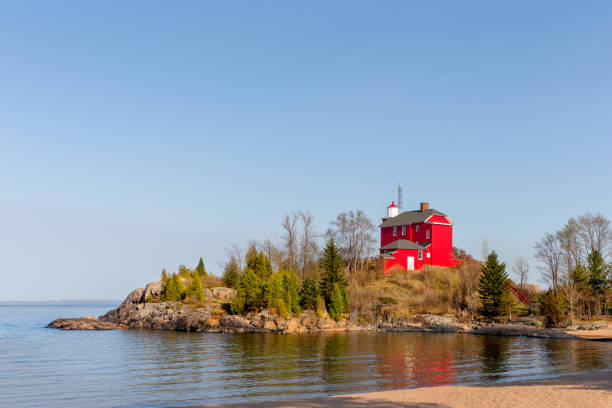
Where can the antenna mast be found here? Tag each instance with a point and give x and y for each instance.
(399, 196)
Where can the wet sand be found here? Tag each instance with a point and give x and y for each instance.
(601, 334)
(577, 390)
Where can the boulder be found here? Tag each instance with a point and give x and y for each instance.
(224, 293)
(154, 290)
(440, 323)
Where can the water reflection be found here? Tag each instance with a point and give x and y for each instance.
(192, 368)
(494, 356)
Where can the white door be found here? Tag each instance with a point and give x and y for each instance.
(410, 263)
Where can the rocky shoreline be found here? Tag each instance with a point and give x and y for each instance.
(136, 313)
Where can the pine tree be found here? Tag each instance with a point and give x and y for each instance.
(597, 271)
(231, 273)
(200, 269)
(249, 294)
(310, 294)
(164, 275)
(333, 277)
(336, 303)
(493, 287)
(195, 291)
(173, 290)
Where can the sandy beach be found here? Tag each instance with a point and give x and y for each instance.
(579, 390)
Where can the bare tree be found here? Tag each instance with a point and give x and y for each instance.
(548, 252)
(308, 244)
(595, 232)
(521, 269)
(485, 250)
(571, 248)
(354, 235)
(290, 237)
(273, 253)
(234, 251)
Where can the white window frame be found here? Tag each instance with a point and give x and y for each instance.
(403, 230)
(428, 234)
(420, 255)
(429, 255)
(395, 231)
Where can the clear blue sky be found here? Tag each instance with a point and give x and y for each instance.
(141, 135)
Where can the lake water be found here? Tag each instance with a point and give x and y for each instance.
(48, 367)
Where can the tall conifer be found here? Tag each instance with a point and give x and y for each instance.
(493, 287)
(333, 279)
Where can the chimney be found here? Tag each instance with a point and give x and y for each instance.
(424, 206)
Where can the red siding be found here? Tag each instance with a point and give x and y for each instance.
(401, 259)
(438, 218)
(442, 245)
(441, 239)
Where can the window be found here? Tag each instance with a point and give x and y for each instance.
(403, 230)
(395, 231)
(420, 255)
(428, 255)
(428, 233)
(417, 228)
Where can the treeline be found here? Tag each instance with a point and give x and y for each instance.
(257, 286)
(575, 262)
(185, 285)
(296, 274)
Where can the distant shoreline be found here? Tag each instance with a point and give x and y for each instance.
(58, 302)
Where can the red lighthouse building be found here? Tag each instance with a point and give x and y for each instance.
(413, 239)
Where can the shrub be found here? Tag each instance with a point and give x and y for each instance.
(387, 300)
(149, 299)
(174, 290)
(553, 306)
(195, 291)
(310, 294)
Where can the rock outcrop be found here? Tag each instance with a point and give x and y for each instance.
(142, 308)
(82, 323)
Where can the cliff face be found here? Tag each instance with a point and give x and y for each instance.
(134, 312)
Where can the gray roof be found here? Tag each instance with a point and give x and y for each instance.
(410, 217)
(403, 244)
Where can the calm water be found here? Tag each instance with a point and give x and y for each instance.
(47, 367)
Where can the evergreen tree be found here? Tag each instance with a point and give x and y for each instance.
(164, 275)
(333, 277)
(310, 294)
(195, 291)
(291, 291)
(336, 303)
(264, 266)
(231, 273)
(597, 271)
(493, 287)
(258, 262)
(200, 269)
(248, 294)
(173, 290)
(580, 276)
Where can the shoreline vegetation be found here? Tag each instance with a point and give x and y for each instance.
(296, 287)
